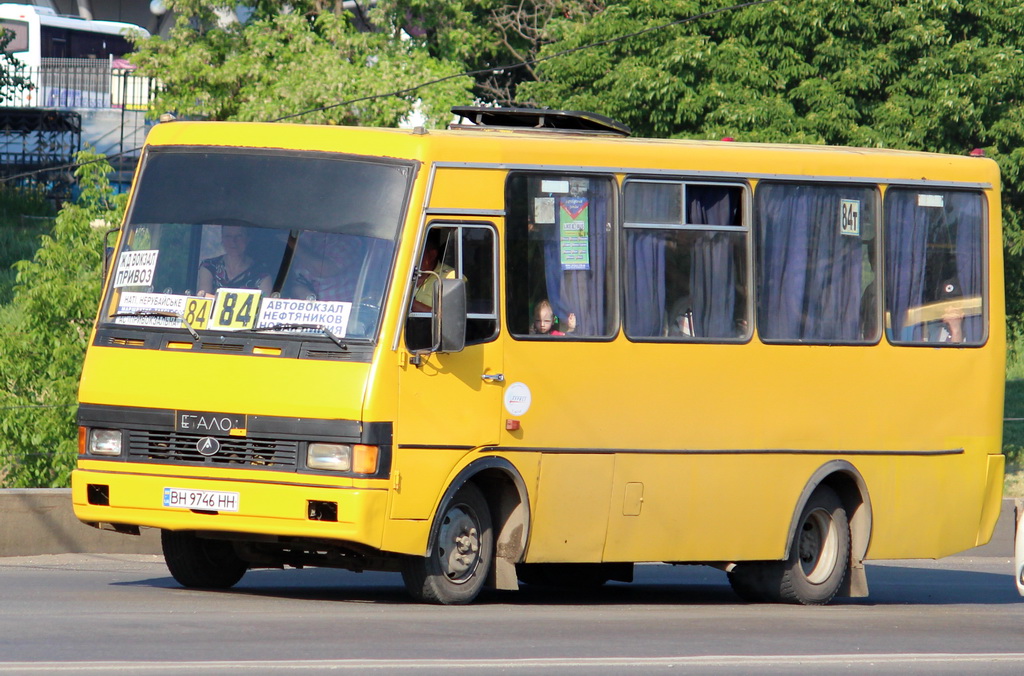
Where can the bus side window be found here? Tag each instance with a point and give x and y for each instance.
(19, 35)
(457, 251)
(935, 242)
(686, 260)
(816, 262)
(560, 255)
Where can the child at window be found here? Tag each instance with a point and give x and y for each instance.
(544, 321)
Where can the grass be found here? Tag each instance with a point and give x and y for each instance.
(1013, 424)
(25, 215)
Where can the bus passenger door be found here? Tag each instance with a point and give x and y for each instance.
(448, 403)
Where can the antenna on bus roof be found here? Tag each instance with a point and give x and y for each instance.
(537, 118)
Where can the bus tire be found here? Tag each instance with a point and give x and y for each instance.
(819, 557)
(199, 563)
(456, 568)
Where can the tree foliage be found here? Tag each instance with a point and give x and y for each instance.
(486, 36)
(46, 329)
(287, 58)
(936, 75)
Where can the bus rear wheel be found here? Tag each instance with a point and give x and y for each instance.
(199, 563)
(819, 558)
(818, 562)
(456, 568)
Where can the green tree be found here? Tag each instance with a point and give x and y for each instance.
(936, 75)
(46, 329)
(484, 35)
(288, 58)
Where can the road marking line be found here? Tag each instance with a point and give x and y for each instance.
(889, 659)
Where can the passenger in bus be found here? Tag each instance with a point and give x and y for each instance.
(952, 327)
(235, 268)
(423, 299)
(680, 322)
(326, 267)
(545, 321)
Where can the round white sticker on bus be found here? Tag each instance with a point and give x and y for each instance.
(517, 398)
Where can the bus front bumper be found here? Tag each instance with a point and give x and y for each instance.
(260, 507)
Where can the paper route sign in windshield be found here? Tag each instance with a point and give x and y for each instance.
(332, 314)
(151, 302)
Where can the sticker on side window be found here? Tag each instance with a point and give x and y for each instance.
(849, 217)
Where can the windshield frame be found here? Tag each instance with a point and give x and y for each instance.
(323, 340)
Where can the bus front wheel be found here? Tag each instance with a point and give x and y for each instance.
(204, 564)
(455, 569)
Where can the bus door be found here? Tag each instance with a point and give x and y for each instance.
(449, 403)
(565, 404)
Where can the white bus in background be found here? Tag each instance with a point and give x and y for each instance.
(69, 61)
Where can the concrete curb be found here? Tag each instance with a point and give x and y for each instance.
(36, 521)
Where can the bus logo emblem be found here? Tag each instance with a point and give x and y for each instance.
(207, 446)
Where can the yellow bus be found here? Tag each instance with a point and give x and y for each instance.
(531, 349)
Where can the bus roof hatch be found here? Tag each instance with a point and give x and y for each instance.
(539, 119)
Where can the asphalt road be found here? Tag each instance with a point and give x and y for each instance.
(112, 614)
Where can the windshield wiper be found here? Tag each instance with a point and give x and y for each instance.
(159, 313)
(299, 325)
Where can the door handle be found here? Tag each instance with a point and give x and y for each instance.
(494, 377)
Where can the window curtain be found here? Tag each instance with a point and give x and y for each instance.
(582, 292)
(713, 273)
(645, 290)
(810, 279)
(909, 229)
(645, 255)
(906, 252)
(967, 213)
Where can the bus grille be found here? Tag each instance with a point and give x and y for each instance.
(177, 448)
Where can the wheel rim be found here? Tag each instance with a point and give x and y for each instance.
(458, 544)
(818, 546)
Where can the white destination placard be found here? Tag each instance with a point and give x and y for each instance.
(151, 302)
(332, 314)
(135, 268)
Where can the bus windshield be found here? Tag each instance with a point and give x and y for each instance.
(243, 240)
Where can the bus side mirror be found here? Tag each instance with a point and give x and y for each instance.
(449, 317)
(108, 251)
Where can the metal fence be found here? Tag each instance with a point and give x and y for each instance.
(80, 83)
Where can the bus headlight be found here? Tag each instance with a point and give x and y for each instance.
(104, 442)
(357, 458)
(337, 457)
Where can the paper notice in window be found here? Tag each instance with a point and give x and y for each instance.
(544, 210)
(574, 233)
(849, 217)
(135, 268)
